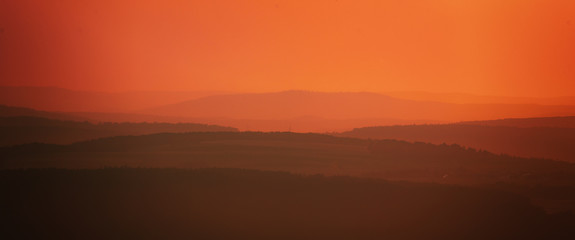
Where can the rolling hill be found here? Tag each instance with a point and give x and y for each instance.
(548, 183)
(554, 141)
(24, 129)
(346, 106)
(95, 117)
(10, 111)
(65, 100)
(245, 204)
(294, 152)
(464, 98)
(553, 122)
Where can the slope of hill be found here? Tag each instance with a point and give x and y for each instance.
(101, 117)
(549, 183)
(283, 111)
(246, 204)
(464, 98)
(64, 100)
(10, 111)
(299, 124)
(541, 142)
(23, 129)
(294, 104)
(558, 122)
(306, 153)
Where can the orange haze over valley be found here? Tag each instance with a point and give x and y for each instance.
(287, 119)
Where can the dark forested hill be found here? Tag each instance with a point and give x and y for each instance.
(24, 129)
(557, 122)
(542, 142)
(306, 153)
(60, 99)
(549, 183)
(246, 204)
(10, 111)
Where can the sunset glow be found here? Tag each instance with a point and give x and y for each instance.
(287, 119)
(486, 47)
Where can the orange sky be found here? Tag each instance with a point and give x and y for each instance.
(501, 47)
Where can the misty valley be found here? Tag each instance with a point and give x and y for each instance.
(67, 177)
(287, 119)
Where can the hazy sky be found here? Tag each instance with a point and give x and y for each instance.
(502, 47)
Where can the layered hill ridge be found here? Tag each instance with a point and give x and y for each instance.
(65, 100)
(248, 204)
(294, 152)
(10, 111)
(464, 98)
(348, 105)
(554, 122)
(552, 137)
(27, 129)
(301, 111)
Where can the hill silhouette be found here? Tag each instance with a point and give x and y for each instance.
(24, 129)
(304, 153)
(548, 183)
(246, 204)
(298, 111)
(557, 122)
(465, 98)
(542, 142)
(10, 111)
(65, 100)
(338, 106)
(99, 117)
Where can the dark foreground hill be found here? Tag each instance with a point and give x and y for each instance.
(24, 129)
(294, 152)
(542, 142)
(550, 183)
(246, 204)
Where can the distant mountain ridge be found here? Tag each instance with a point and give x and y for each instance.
(10, 111)
(300, 111)
(28, 129)
(463, 98)
(93, 117)
(347, 105)
(65, 100)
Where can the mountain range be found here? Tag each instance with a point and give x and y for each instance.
(65, 100)
(346, 106)
(299, 111)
